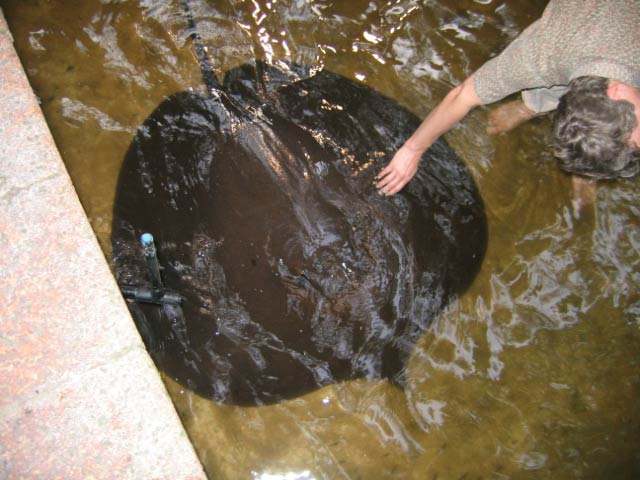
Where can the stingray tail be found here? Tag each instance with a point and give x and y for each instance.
(206, 67)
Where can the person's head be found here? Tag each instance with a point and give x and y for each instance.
(597, 129)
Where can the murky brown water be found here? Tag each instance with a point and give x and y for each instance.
(533, 373)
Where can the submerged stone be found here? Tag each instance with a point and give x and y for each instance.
(296, 273)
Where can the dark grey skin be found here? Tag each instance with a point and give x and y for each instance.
(296, 273)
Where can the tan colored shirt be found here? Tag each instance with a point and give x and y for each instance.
(573, 38)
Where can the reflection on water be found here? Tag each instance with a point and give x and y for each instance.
(532, 373)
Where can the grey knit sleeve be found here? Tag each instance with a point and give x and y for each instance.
(517, 68)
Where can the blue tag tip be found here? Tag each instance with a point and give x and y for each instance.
(146, 239)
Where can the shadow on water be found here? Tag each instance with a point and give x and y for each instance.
(296, 273)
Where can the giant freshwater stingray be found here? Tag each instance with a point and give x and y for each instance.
(295, 272)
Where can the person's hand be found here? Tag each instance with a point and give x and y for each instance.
(399, 171)
(508, 116)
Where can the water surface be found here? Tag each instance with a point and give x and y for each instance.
(532, 373)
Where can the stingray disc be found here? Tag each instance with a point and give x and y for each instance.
(296, 273)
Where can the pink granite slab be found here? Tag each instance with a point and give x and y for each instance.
(79, 395)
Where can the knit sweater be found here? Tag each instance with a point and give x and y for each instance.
(573, 38)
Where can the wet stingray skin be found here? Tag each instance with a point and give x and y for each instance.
(296, 273)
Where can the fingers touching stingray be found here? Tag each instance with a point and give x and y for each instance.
(296, 273)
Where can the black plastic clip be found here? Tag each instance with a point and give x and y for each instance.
(157, 294)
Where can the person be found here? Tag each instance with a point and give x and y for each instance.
(582, 57)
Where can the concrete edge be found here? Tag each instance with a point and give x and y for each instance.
(79, 395)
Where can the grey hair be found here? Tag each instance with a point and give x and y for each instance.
(591, 131)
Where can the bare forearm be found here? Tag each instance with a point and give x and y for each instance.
(453, 108)
(404, 164)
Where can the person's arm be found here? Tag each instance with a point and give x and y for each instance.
(584, 194)
(453, 108)
(515, 69)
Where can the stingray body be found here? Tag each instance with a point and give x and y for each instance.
(296, 273)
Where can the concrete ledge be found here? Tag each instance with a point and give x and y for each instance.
(79, 396)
